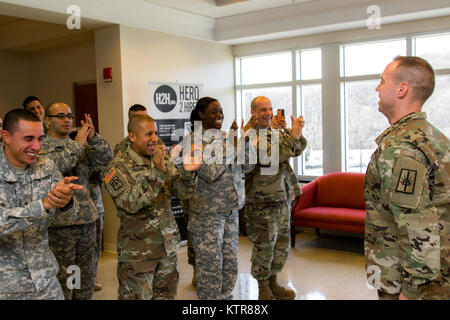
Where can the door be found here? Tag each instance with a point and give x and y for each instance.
(86, 102)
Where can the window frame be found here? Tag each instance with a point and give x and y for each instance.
(293, 83)
(334, 117)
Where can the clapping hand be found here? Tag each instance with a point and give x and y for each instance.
(193, 159)
(278, 124)
(89, 124)
(297, 126)
(158, 158)
(60, 195)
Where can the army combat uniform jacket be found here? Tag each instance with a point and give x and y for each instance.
(280, 186)
(220, 186)
(72, 159)
(27, 265)
(142, 195)
(407, 192)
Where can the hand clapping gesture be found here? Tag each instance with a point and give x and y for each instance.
(297, 126)
(60, 195)
(193, 160)
(158, 158)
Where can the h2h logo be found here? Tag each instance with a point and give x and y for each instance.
(165, 98)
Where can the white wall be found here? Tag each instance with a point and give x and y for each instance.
(110, 112)
(14, 80)
(138, 57)
(149, 56)
(54, 71)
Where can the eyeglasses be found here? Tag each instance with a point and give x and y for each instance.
(62, 116)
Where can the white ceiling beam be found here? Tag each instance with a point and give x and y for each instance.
(220, 3)
(320, 16)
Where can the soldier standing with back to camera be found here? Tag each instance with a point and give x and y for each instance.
(267, 207)
(407, 191)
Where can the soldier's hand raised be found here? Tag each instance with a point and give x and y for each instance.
(297, 126)
(158, 158)
(82, 134)
(60, 195)
(193, 160)
(250, 124)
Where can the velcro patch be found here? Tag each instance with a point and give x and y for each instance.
(115, 182)
(111, 173)
(408, 180)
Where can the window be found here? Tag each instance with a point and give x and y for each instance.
(333, 87)
(298, 93)
(436, 50)
(266, 69)
(361, 67)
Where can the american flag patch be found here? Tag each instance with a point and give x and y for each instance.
(110, 174)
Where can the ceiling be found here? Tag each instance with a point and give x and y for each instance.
(30, 25)
(224, 8)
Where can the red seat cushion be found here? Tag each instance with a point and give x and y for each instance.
(330, 215)
(341, 190)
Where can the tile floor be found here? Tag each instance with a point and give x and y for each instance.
(329, 267)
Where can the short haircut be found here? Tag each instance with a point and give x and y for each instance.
(12, 119)
(28, 100)
(256, 100)
(418, 73)
(48, 109)
(134, 122)
(134, 108)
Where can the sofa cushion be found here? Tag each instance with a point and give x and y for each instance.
(344, 190)
(330, 215)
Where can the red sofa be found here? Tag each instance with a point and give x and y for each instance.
(334, 201)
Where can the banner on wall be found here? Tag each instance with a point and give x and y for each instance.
(171, 105)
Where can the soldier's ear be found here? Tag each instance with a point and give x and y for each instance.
(132, 136)
(5, 135)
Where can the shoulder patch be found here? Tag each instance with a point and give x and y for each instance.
(114, 182)
(408, 180)
(111, 173)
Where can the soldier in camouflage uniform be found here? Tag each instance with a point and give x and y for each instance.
(141, 182)
(31, 199)
(267, 208)
(75, 242)
(213, 210)
(95, 180)
(123, 145)
(407, 191)
(293, 187)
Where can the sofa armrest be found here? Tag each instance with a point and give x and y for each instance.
(308, 196)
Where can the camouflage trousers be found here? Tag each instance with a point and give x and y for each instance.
(190, 249)
(215, 242)
(52, 292)
(268, 227)
(148, 280)
(76, 245)
(99, 232)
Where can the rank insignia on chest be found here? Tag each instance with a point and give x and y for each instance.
(406, 181)
(110, 175)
